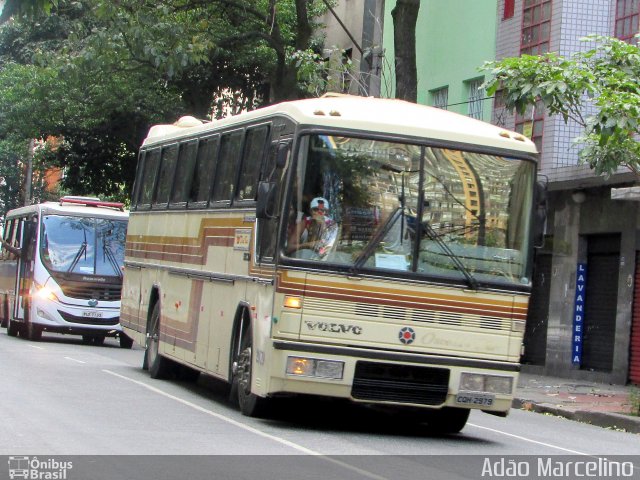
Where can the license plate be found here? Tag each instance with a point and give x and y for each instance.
(92, 314)
(475, 398)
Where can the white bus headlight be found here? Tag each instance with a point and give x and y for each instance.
(477, 382)
(313, 367)
(44, 293)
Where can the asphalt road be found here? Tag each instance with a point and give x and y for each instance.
(61, 399)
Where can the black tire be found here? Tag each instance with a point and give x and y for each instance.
(87, 339)
(32, 331)
(5, 314)
(98, 340)
(448, 420)
(188, 374)
(125, 342)
(159, 366)
(250, 404)
(13, 328)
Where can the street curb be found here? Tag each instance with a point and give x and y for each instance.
(627, 423)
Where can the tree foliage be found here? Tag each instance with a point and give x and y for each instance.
(97, 74)
(598, 88)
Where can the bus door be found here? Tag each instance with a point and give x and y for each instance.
(27, 234)
(270, 196)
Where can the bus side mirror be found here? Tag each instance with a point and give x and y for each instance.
(540, 214)
(282, 155)
(266, 200)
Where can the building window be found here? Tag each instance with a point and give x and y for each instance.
(536, 27)
(627, 20)
(440, 98)
(509, 9)
(531, 124)
(476, 98)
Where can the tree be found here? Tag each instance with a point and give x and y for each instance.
(27, 7)
(597, 88)
(48, 89)
(405, 16)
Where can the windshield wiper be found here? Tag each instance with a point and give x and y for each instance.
(111, 257)
(76, 259)
(433, 235)
(373, 243)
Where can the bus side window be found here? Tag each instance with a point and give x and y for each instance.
(254, 152)
(148, 178)
(135, 196)
(230, 151)
(184, 173)
(14, 239)
(203, 172)
(7, 238)
(166, 175)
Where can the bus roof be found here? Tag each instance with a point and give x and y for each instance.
(80, 209)
(367, 114)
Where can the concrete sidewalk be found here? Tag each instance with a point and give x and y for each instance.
(599, 404)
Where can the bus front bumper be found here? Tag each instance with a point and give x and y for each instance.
(57, 317)
(383, 377)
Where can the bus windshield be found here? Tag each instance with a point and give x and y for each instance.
(440, 213)
(88, 246)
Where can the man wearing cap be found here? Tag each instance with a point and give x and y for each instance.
(314, 229)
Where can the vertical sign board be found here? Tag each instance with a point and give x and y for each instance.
(578, 314)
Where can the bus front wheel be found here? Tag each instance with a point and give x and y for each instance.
(33, 331)
(250, 404)
(159, 366)
(448, 420)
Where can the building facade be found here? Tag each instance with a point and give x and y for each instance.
(584, 320)
(582, 323)
(352, 31)
(453, 39)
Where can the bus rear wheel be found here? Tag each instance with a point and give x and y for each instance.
(5, 314)
(125, 342)
(159, 366)
(12, 328)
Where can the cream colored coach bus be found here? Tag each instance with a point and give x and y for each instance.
(347, 247)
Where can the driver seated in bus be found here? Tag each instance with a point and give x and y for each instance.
(314, 232)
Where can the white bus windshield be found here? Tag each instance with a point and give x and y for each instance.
(372, 205)
(87, 246)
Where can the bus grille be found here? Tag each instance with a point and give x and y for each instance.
(109, 292)
(88, 321)
(400, 383)
(394, 313)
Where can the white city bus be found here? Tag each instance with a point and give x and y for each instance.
(61, 269)
(410, 291)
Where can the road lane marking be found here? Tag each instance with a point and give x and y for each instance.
(248, 428)
(74, 360)
(37, 347)
(529, 440)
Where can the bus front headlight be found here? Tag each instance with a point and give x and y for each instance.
(44, 293)
(477, 382)
(314, 367)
